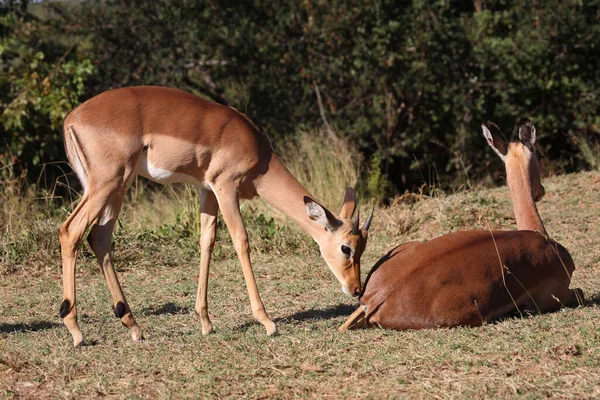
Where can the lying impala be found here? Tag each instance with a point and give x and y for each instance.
(472, 277)
(167, 135)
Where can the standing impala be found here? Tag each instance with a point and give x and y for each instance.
(168, 135)
(471, 277)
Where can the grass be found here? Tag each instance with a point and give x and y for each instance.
(589, 149)
(551, 355)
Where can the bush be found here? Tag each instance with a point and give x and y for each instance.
(397, 79)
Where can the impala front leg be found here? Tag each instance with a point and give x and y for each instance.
(209, 209)
(230, 208)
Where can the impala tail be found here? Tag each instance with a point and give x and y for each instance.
(75, 155)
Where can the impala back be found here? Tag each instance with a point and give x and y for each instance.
(466, 278)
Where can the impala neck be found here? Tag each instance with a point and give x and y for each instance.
(279, 188)
(526, 212)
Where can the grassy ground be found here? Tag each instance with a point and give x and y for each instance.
(552, 355)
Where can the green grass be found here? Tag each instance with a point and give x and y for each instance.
(551, 355)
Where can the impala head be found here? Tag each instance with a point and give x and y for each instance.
(520, 158)
(343, 240)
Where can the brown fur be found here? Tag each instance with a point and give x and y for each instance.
(172, 136)
(472, 277)
(467, 278)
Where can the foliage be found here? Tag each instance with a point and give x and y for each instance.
(375, 180)
(41, 80)
(590, 149)
(397, 79)
(324, 163)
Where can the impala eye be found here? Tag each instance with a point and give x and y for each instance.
(346, 250)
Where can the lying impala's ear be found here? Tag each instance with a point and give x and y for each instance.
(527, 133)
(495, 142)
(320, 214)
(349, 205)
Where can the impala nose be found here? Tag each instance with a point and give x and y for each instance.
(351, 293)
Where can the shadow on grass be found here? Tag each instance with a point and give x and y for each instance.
(315, 314)
(593, 299)
(166, 309)
(588, 301)
(28, 327)
(321, 313)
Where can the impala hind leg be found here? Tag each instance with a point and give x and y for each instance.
(71, 234)
(100, 240)
(229, 204)
(209, 209)
(559, 295)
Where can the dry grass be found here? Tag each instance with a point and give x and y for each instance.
(589, 148)
(168, 217)
(552, 355)
(324, 163)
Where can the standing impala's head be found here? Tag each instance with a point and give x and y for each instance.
(342, 241)
(522, 159)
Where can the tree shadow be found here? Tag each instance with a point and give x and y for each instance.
(28, 327)
(166, 309)
(315, 314)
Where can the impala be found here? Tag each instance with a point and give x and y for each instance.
(472, 277)
(167, 136)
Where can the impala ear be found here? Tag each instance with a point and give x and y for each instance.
(349, 205)
(320, 214)
(495, 142)
(527, 133)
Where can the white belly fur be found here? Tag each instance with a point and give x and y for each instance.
(145, 168)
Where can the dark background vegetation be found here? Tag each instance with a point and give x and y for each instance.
(407, 83)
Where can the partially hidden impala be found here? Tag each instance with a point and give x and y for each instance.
(468, 278)
(167, 136)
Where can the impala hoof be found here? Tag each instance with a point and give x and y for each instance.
(577, 298)
(207, 329)
(271, 329)
(78, 341)
(136, 334)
